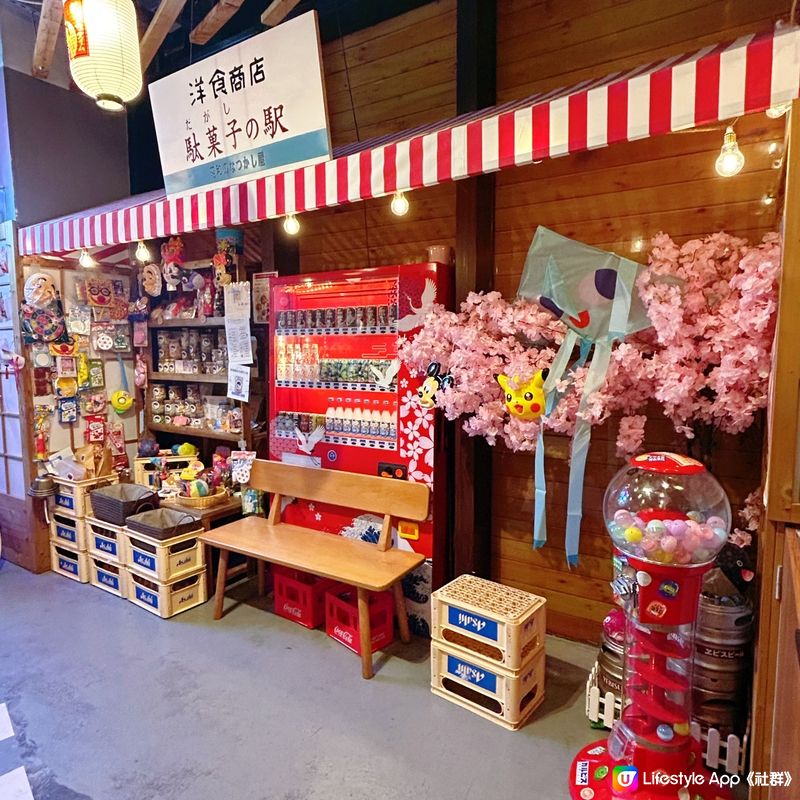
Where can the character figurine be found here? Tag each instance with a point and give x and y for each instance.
(432, 383)
(524, 400)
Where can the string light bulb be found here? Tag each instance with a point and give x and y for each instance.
(291, 224)
(142, 253)
(730, 159)
(400, 204)
(85, 260)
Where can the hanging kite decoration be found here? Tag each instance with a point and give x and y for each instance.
(592, 292)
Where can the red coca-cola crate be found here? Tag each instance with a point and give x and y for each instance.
(341, 618)
(299, 596)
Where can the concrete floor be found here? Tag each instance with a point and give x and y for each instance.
(109, 702)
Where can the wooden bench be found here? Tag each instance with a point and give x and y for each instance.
(369, 567)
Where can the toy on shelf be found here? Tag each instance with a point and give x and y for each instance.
(668, 518)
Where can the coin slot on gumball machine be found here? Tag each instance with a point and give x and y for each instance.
(668, 517)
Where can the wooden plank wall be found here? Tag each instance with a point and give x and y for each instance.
(616, 198)
(388, 78)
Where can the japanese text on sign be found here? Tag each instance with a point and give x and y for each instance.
(255, 108)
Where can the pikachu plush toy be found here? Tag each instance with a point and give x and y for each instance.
(524, 400)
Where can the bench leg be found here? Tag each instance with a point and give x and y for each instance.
(222, 574)
(365, 635)
(261, 569)
(400, 609)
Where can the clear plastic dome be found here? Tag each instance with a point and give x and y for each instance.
(667, 509)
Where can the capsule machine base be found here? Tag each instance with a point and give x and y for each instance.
(592, 777)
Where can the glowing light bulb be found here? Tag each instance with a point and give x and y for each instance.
(777, 111)
(291, 225)
(768, 199)
(86, 261)
(399, 204)
(730, 159)
(142, 253)
(637, 245)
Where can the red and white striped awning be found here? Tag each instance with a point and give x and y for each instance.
(713, 84)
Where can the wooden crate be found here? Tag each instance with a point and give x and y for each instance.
(163, 560)
(73, 497)
(505, 697)
(70, 563)
(108, 576)
(144, 470)
(68, 531)
(106, 541)
(495, 622)
(167, 599)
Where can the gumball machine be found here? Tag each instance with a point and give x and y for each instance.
(669, 517)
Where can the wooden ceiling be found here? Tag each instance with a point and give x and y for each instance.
(165, 16)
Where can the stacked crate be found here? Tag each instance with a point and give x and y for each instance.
(487, 651)
(165, 576)
(106, 556)
(69, 541)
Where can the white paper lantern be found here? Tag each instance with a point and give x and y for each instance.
(103, 46)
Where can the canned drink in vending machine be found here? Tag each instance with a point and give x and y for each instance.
(382, 316)
(341, 317)
(372, 315)
(282, 319)
(392, 313)
(330, 318)
(291, 319)
(319, 318)
(360, 321)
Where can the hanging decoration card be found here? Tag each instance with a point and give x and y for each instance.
(239, 382)
(237, 323)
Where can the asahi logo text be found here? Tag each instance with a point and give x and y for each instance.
(341, 633)
(468, 673)
(468, 621)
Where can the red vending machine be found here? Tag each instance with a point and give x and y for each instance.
(341, 399)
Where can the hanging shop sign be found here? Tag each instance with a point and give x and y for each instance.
(251, 110)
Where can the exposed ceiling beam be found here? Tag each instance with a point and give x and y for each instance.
(159, 27)
(214, 20)
(50, 19)
(277, 11)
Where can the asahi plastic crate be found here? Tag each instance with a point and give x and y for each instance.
(107, 576)
(299, 596)
(69, 562)
(163, 560)
(68, 531)
(505, 697)
(73, 497)
(170, 598)
(106, 541)
(341, 618)
(499, 623)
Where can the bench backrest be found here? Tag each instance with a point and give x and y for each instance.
(386, 496)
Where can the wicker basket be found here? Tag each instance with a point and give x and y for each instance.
(203, 502)
(116, 503)
(163, 523)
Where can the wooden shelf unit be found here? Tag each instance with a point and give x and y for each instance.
(249, 436)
